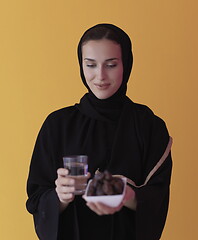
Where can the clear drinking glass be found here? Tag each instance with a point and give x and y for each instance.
(77, 166)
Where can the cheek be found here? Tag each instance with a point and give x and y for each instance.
(88, 74)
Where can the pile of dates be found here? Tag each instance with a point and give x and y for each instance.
(105, 184)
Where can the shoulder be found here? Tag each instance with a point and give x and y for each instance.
(151, 130)
(61, 113)
(59, 117)
(147, 119)
(144, 112)
(142, 109)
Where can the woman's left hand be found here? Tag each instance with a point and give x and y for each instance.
(102, 209)
(129, 201)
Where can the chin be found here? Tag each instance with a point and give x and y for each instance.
(102, 96)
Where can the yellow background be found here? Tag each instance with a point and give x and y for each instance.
(39, 73)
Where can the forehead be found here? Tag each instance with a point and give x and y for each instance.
(103, 48)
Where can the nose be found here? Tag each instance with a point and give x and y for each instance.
(101, 73)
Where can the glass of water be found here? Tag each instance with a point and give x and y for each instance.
(77, 165)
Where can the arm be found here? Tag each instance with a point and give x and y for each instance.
(42, 201)
(152, 204)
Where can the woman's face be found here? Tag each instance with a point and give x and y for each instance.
(102, 67)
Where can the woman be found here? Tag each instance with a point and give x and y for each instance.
(118, 135)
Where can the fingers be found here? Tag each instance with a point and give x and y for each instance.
(62, 189)
(66, 197)
(64, 181)
(62, 172)
(64, 186)
(102, 209)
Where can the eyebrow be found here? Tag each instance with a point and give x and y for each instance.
(107, 60)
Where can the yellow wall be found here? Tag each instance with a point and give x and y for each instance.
(39, 73)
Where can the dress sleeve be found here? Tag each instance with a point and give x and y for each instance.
(153, 194)
(42, 200)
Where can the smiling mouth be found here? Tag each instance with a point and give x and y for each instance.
(102, 86)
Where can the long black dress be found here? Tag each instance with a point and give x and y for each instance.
(118, 135)
(131, 145)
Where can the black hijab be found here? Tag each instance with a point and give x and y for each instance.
(109, 108)
(127, 57)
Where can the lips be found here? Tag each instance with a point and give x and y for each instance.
(102, 86)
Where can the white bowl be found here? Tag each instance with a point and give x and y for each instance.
(109, 200)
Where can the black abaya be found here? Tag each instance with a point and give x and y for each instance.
(130, 146)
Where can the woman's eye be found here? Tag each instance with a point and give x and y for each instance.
(91, 65)
(111, 65)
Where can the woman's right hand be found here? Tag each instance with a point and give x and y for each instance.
(65, 188)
